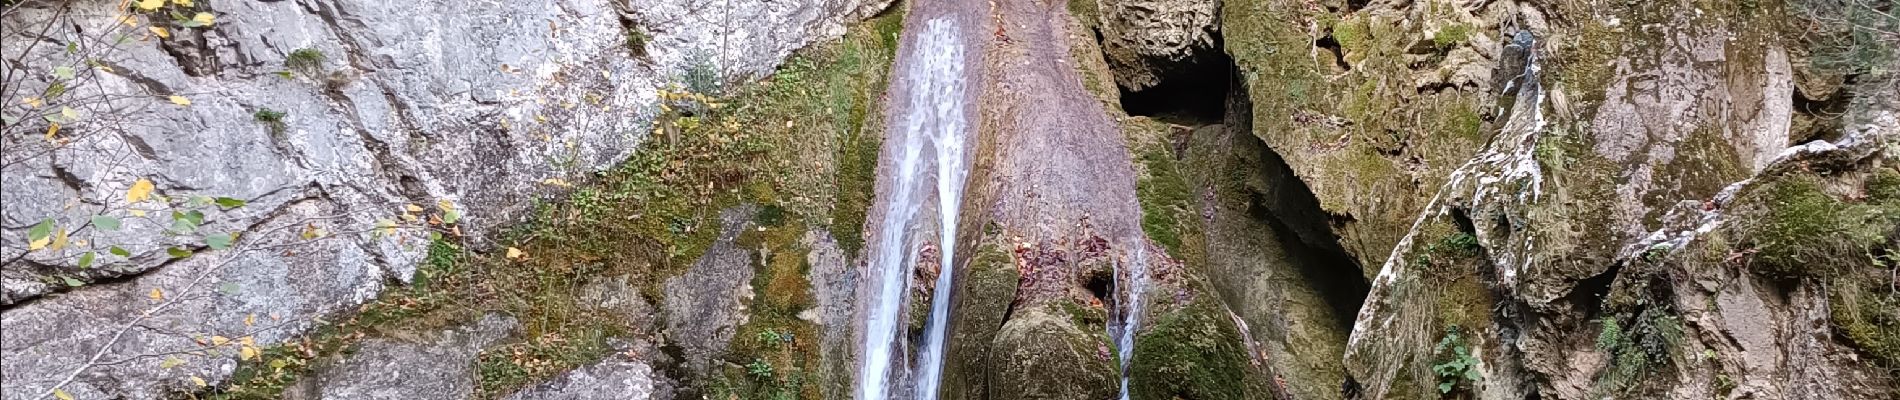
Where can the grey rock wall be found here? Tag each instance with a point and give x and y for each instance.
(484, 106)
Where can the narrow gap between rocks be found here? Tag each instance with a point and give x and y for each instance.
(1292, 210)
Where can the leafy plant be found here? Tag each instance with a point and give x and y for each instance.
(759, 369)
(1458, 367)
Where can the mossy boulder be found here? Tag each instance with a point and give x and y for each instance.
(988, 287)
(1194, 353)
(1041, 354)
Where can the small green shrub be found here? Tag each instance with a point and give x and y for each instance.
(1457, 368)
(759, 369)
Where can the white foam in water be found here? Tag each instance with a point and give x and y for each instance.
(935, 77)
(1136, 282)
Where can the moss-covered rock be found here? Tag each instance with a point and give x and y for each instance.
(1194, 353)
(1041, 354)
(988, 288)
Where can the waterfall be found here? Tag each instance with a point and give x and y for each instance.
(940, 34)
(1136, 284)
(935, 111)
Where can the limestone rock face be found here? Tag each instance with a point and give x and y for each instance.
(328, 119)
(1147, 41)
(705, 306)
(609, 380)
(437, 365)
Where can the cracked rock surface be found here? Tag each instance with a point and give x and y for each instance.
(439, 105)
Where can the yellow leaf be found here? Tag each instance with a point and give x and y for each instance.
(181, 100)
(32, 102)
(445, 205)
(199, 381)
(161, 32)
(52, 130)
(61, 394)
(59, 239)
(219, 340)
(149, 5)
(248, 341)
(204, 18)
(182, 3)
(412, 208)
(556, 182)
(516, 253)
(157, 294)
(68, 113)
(247, 353)
(170, 362)
(250, 320)
(141, 190)
(38, 244)
(138, 213)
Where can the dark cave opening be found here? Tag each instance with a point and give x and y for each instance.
(1101, 284)
(1193, 93)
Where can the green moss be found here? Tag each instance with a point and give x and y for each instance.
(1167, 200)
(1800, 231)
(1868, 314)
(988, 289)
(1353, 34)
(1040, 355)
(1191, 353)
(1451, 36)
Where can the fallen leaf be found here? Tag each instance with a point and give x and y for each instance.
(516, 253)
(149, 5)
(157, 294)
(219, 340)
(250, 320)
(141, 190)
(412, 208)
(52, 131)
(32, 102)
(161, 32)
(180, 100)
(61, 394)
(182, 3)
(247, 353)
(170, 362)
(556, 182)
(199, 381)
(204, 19)
(59, 239)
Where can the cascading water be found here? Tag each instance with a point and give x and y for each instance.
(950, 173)
(935, 111)
(1136, 282)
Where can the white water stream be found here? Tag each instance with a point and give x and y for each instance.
(935, 112)
(1136, 282)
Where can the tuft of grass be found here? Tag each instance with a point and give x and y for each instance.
(305, 61)
(271, 119)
